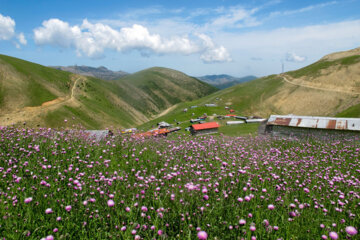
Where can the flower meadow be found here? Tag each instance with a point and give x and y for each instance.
(60, 185)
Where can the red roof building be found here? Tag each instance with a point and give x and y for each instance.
(204, 128)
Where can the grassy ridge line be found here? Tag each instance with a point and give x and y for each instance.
(314, 69)
(98, 103)
(41, 82)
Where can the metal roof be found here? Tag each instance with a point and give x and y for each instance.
(203, 126)
(96, 134)
(352, 124)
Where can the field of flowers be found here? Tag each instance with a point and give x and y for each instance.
(61, 186)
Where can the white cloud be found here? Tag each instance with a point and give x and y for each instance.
(308, 39)
(292, 57)
(21, 38)
(92, 39)
(213, 53)
(7, 31)
(304, 9)
(234, 17)
(7, 27)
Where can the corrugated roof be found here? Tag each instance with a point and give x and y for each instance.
(352, 124)
(96, 134)
(204, 126)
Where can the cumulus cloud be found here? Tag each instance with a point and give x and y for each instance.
(7, 27)
(212, 52)
(92, 39)
(7, 31)
(293, 57)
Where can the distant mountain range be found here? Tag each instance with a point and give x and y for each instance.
(42, 96)
(219, 81)
(224, 81)
(99, 72)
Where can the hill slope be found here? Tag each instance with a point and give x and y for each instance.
(329, 87)
(100, 72)
(43, 96)
(224, 81)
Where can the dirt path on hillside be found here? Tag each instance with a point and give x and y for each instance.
(28, 113)
(166, 111)
(286, 79)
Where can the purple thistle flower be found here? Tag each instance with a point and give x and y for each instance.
(333, 235)
(48, 211)
(110, 203)
(202, 235)
(351, 230)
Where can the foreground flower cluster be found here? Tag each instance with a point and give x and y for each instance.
(58, 185)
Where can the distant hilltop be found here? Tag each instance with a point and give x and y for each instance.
(99, 72)
(223, 81)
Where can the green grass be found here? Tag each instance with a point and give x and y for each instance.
(239, 130)
(159, 89)
(352, 112)
(314, 69)
(38, 94)
(38, 73)
(74, 116)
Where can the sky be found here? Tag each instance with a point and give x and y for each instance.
(202, 37)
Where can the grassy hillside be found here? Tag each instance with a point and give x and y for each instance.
(43, 96)
(35, 83)
(156, 89)
(329, 87)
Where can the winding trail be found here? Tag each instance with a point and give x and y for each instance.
(285, 78)
(166, 111)
(28, 113)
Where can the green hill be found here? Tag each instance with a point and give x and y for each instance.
(42, 96)
(329, 87)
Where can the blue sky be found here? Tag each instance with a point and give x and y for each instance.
(239, 38)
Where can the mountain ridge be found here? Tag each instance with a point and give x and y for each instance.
(98, 72)
(222, 81)
(43, 96)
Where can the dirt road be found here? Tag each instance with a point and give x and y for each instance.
(286, 79)
(28, 113)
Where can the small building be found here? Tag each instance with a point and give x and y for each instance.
(255, 120)
(163, 125)
(97, 135)
(231, 110)
(287, 125)
(234, 122)
(204, 128)
(175, 129)
(241, 117)
(230, 115)
(210, 105)
(195, 120)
